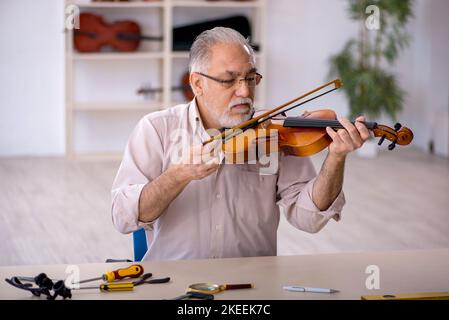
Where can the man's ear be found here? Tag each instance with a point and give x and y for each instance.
(196, 82)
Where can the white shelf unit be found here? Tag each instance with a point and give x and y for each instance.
(169, 64)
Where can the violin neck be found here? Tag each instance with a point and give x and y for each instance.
(297, 122)
(135, 37)
(121, 36)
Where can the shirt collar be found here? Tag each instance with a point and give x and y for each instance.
(196, 123)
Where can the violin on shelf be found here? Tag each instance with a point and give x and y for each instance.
(184, 87)
(125, 35)
(95, 33)
(297, 136)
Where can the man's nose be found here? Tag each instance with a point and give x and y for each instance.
(242, 89)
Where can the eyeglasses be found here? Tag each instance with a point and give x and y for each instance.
(251, 80)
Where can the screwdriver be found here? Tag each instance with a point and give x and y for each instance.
(133, 271)
(111, 287)
(126, 286)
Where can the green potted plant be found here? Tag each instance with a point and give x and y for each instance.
(363, 63)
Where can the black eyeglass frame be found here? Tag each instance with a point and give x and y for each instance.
(231, 83)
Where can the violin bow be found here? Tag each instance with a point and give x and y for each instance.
(276, 111)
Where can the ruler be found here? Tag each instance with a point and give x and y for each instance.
(411, 296)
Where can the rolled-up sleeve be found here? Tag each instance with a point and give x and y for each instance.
(295, 185)
(142, 163)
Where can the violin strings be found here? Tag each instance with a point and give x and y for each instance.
(319, 123)
(297, 105)
(314, 123)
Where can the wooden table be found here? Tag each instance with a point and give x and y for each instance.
(400, 272)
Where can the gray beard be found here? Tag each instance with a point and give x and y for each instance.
(225, 120)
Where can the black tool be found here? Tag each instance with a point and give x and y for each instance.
(15, 282)
(41, 280)
(45, 285)
(60, 289)
(195, 296)
(144, 280)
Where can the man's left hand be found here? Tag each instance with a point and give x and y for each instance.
(346, 140)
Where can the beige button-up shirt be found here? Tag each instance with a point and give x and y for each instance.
(231, 213)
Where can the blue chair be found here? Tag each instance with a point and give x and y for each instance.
(140, 244)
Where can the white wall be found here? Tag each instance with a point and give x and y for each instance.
(424, 73)
(302, 35)
(31, 77)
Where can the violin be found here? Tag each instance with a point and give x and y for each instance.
(296, 136)
(94, 33)
(184, 87)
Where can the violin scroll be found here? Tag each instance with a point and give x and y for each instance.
(399, 135)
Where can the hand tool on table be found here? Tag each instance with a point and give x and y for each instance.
(212, 288)
(194, 296)
(111, 287)
(409, 296)
(133, 271)
(144, 280)
(41, 280)
(127, 286)
(53, 290)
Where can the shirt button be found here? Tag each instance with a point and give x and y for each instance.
(218, 196)
(217, 227)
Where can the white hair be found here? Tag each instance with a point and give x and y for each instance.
(200, 50)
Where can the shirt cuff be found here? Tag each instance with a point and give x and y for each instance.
(305, 201)
(125, 209)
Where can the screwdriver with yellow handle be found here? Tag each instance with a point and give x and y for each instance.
(110, 287)
(133, 271)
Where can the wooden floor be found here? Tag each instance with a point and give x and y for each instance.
(58, 211)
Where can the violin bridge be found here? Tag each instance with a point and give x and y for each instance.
(265, 124)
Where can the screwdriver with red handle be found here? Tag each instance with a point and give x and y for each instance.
(133, 271)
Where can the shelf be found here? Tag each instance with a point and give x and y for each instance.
(133, 4)
(164, 62)
(185, 55)
(118, 56)
(179, 3)
(134, 55)
(180, 54)
(218, 4)
(147, 106)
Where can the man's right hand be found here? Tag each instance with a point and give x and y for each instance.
(198, 162)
